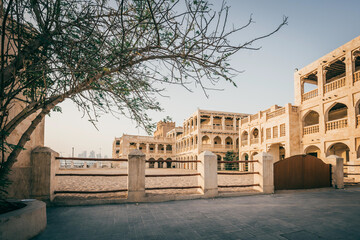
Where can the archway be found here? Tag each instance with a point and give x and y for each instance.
(229, 142)
(217, 142)
(168, 164)
(313, 151)
(339, 149)
(152, 163)
(160, 163)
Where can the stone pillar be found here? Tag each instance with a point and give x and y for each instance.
(136, 176)
(147, 148)
(265, 167)
(337, 170)
(223, 123)
(72, 164)
(208, 174)
(156, 148)
(234, 123)
(156, 164)
(43, 169)
(85, 165)
(212, 121)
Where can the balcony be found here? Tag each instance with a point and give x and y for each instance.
(334, 85)
(337, 124)
(204, 145)
(217, 127)
(229, 146)
(218, 146)
(311, 129)
(229, 128)
(254, 141)
(275, 113)
(244, 142)
(205, 126)
(310, 95)
(357, 76)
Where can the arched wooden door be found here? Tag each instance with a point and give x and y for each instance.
(301, 172)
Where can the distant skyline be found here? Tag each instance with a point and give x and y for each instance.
(315, 28)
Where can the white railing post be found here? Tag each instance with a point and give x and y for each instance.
(265, 168)
(136, 176)
(337, 170)
(208, 174)
(43, 169)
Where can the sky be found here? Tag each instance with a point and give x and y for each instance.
(315, 28)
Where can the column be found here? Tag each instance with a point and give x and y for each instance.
(234, 123)
(337, 170)
(265, 168)
(43, 169)
(208, 179)
(156, 148)
(137, 145)
(136, 176)
(223, 123)
(147, 148)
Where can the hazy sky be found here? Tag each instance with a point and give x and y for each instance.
(315, 28)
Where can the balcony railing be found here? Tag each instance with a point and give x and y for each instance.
(311, 129)
(204, 145)
(254, 141)
(309, 95)
(357, 76)
(229, 128)
(334, 85)
(217, 127)
(218, 146)
(275, 113)
(205, 126)
(337, 124)
(244, 142)
(229, 146)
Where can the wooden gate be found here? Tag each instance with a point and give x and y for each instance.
(301, 172)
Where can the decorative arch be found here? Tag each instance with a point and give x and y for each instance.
(217, 140)
(311, 118)
(336, 111)
(244, 135)
(205, 140)
(339, 149)
(312, 150)
(229, 141)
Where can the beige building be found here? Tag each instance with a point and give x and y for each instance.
(325, 118)
(204, 130)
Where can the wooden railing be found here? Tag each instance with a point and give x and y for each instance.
(337, 124)
(334, 85)
(309, 95)
(311, 129)
(254, 141)
(357, 76)
(275, 113)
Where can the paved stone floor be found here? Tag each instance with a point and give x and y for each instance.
(323, 214)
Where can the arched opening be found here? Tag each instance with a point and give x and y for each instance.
(244, 138)
(168, 148)
(337, 117)
(217, 122)
(132, 146)
(253, 155)
(311, 118)
(217, 142)
(338, 111)
(339, 149)
(151, 148)
(356, 55)
(335, 71)
(160, 163)
(311, 123)
(168, 164)
(357, 110)
(142, 147)
(245, 157)
(254, 139)
(205, 141)
(313, 151)
(151, 164)
(160, 148)
(281, 153)
(229, 142)
(310, 83)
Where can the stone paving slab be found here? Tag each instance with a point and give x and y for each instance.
(325, 214)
